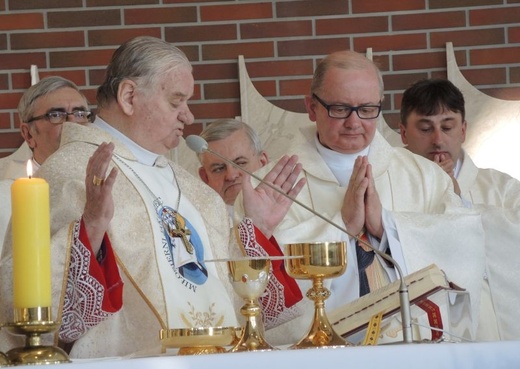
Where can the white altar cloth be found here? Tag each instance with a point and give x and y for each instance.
(490, 355)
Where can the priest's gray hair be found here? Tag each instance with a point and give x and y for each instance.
(223, 128)
(43, 87)
(144, 60)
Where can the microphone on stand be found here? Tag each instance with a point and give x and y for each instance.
(199, 145)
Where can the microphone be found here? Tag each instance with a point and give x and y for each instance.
(199, 145)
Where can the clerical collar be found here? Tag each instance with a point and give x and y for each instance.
(35, 164)
(340, 164)
(456, 170)
(142, 155)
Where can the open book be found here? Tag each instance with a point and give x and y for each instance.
(422, 285)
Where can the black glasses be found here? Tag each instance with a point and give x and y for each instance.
(344, 111)
(58, 117)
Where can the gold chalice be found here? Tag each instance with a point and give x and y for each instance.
(316, 262)
(249, 277)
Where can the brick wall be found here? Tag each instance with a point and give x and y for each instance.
(281, 41)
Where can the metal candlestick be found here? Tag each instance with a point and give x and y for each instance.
(33, 323)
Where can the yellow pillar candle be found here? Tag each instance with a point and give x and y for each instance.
(31, 242)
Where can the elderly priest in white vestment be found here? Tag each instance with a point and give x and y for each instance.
(131, 231)
(398, 200)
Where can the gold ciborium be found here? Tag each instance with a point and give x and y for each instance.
(199, 340)
(249, 277)
(317, 261)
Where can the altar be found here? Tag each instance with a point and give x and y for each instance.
(504, 354)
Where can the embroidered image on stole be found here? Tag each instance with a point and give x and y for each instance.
(184, 245)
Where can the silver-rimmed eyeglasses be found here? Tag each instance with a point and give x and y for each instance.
(344, 111)
(58, 117)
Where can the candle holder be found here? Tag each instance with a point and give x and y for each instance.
(33, 323)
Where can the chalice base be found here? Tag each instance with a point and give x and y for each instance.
(252, 338)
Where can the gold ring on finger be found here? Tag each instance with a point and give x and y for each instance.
(97, 181)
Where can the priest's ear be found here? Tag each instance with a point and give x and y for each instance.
(126, 95)
(26, 132)
(203, 175)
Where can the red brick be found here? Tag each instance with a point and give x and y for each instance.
(392, 119)
(515, 74)
(84, 18)
(485, 76)
(439, 4)
(501, 55)
(193, 129)
(430, 20)
(423, 60)
(349, 25)
(191, 51)
(115, 37)
(90, 94)
(44, 4)
(235, 12)
(401, 81)
(96, 76)
(99, 3)
(461, 57)
(295, 87)
(3, 41)
(381, 61)
(266, 88)
(222, 90)
(369, 6)
(189, 1)
(10, 140)
(311, 8)
(23, 80)
(9, 100)
(22, 60)
(504, 93)
(468, 37)
(514, 34)
(392, 42)
(201, 33)
(231, 51)
(4, 81)
(216, 71)
(86, 58)
(2, 6)
(479, 17)
(5, 120)
(296, 105)
(21, 21)
(313, 46)
(47, 40)
(280, 68)
(160, 15)
(439, 74)
(197, 93)
(215, 110)
(276, 29)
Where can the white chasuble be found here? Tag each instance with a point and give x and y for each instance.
(193, 293)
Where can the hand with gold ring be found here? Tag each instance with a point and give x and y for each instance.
(97, 181)
(99, 204)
